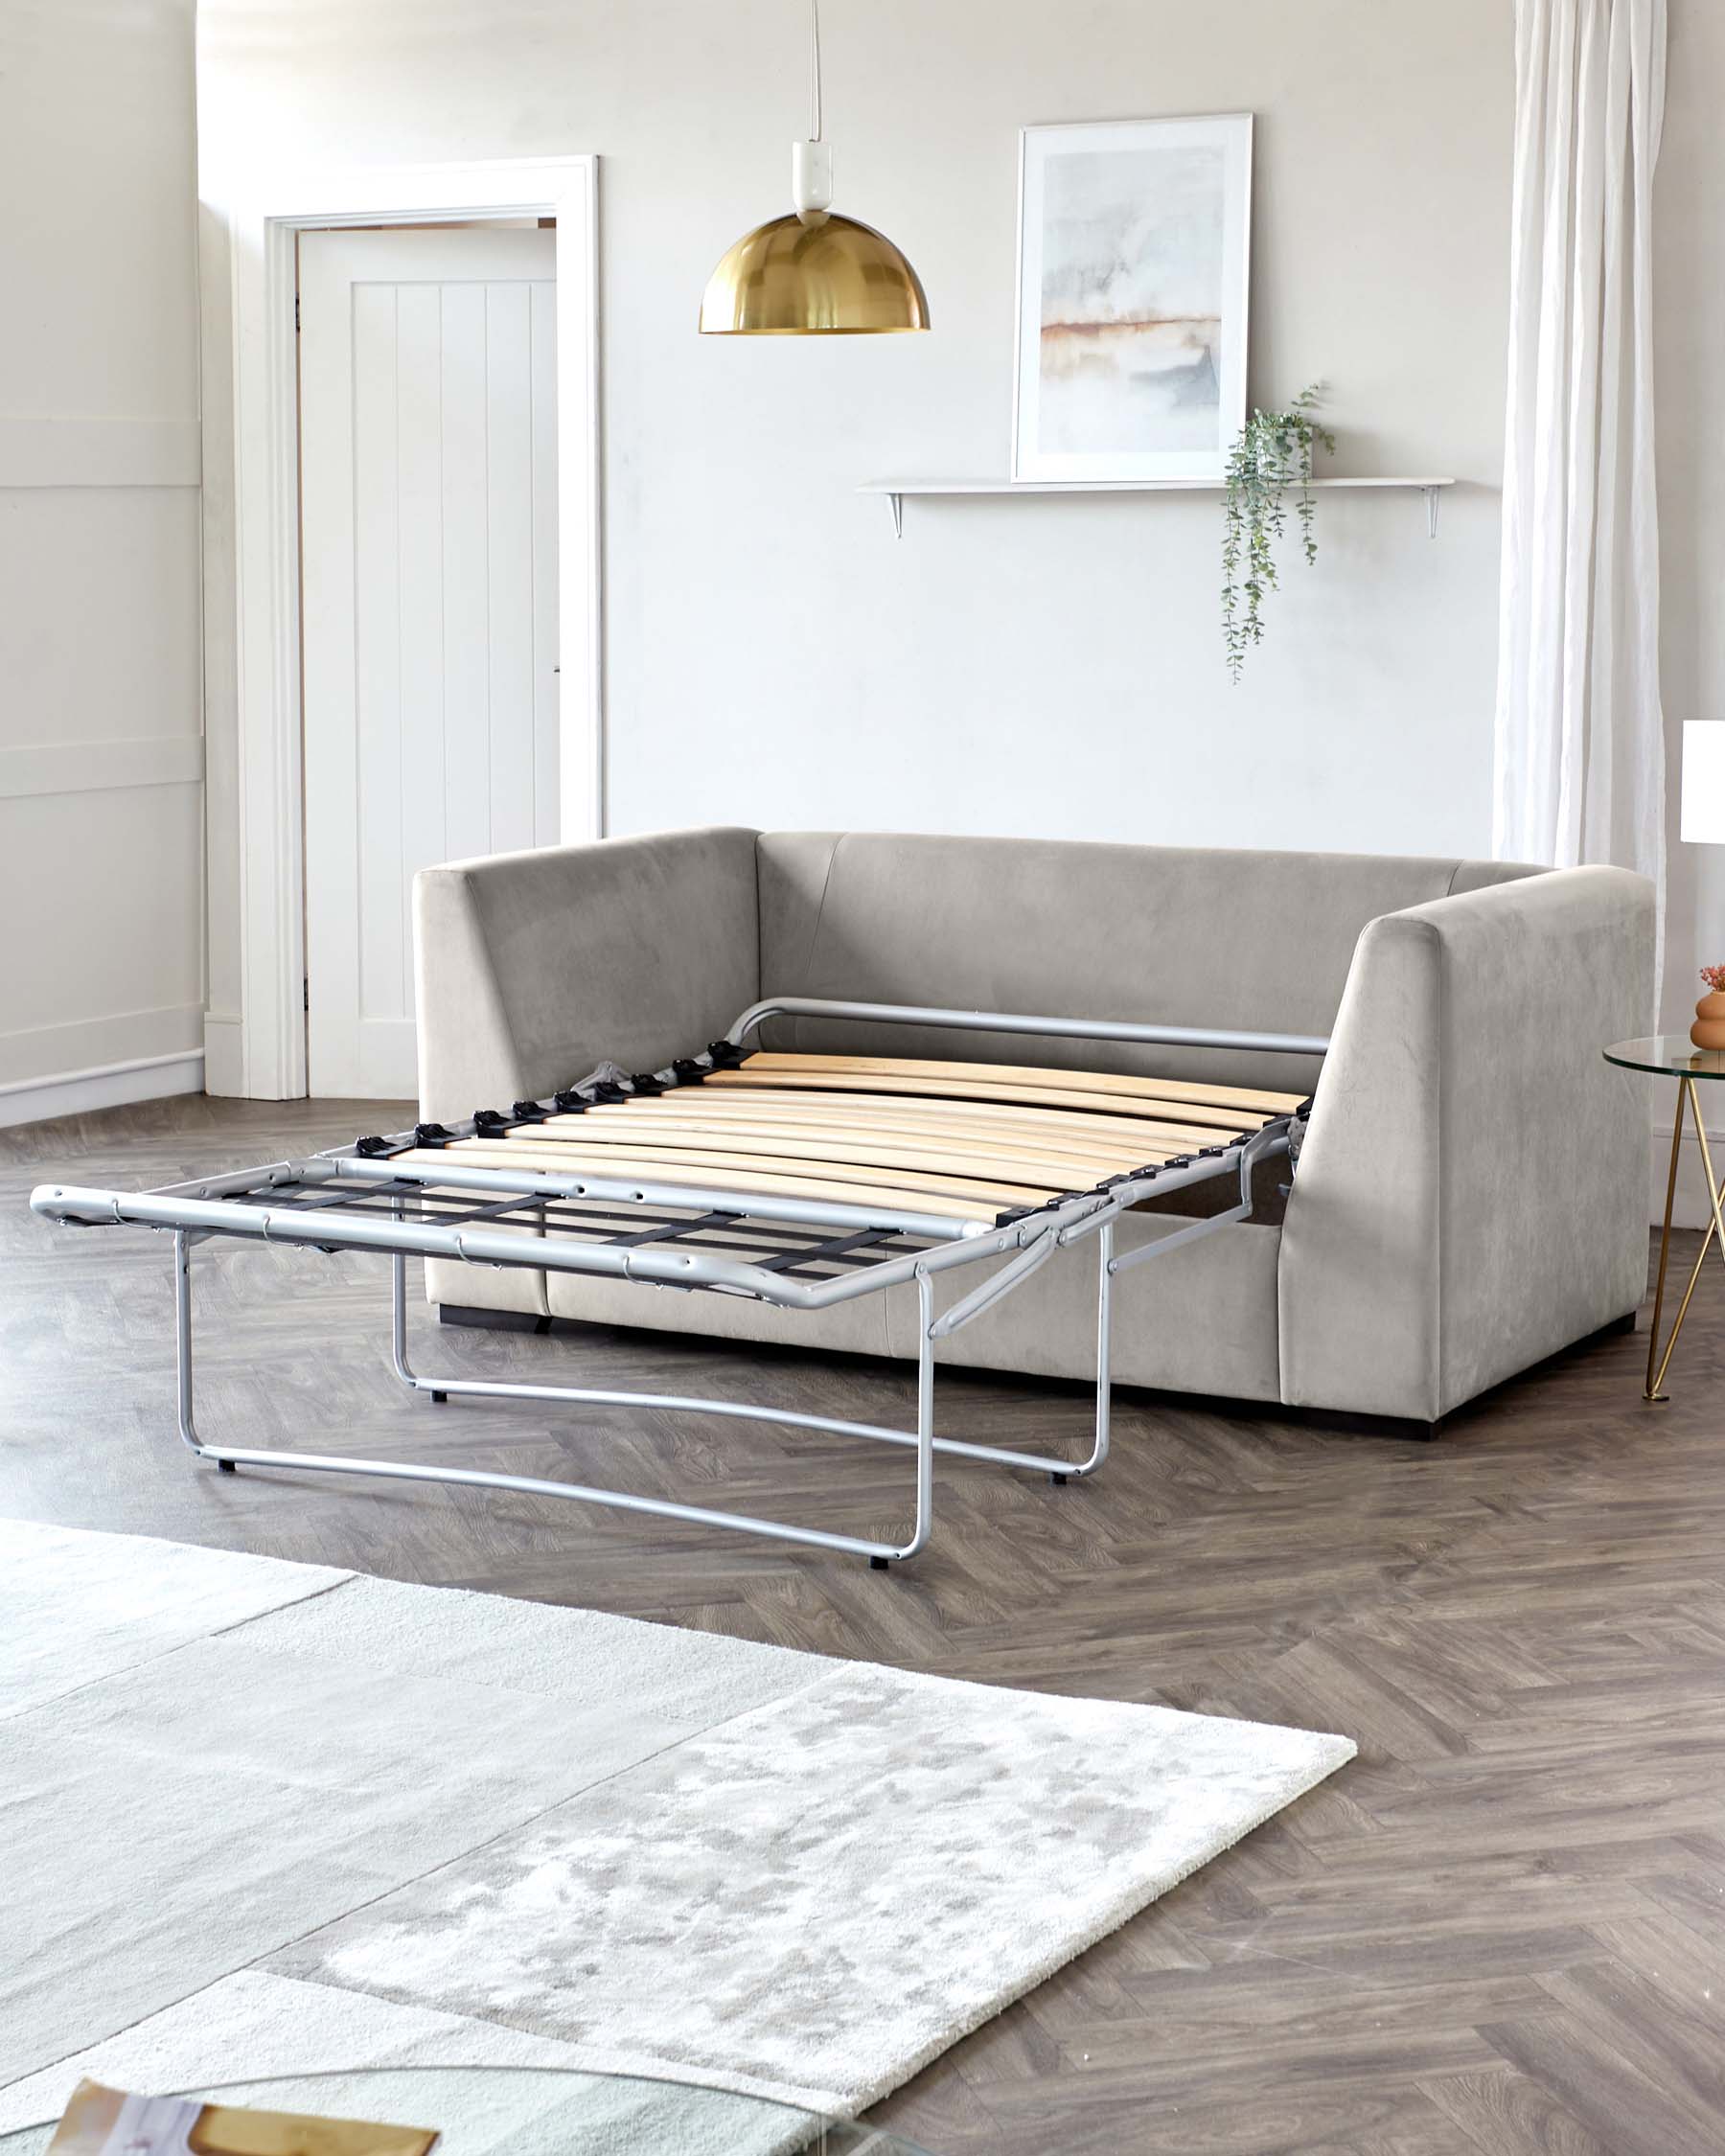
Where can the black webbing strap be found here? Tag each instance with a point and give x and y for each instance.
(840, 1245)
(318, 1196)
(519, 1202)
(670, 1233)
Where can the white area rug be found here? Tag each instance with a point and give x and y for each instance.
(270, 1818)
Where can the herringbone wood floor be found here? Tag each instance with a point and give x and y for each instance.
(1502, 1929)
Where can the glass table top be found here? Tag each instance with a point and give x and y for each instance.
(537, 2111)
(1673, 1055)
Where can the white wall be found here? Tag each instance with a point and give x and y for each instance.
(1048, 666)
(101, 754)
(1045, 666)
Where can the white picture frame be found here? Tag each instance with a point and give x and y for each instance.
(1116, 215)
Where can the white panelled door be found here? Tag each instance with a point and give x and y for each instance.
(428, 508)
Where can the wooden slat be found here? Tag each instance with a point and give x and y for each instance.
(947, 1075)
(1060, 1170)
(950, 1115)
(977, 1088)
(1046, 1128)
(664, 1160)
(895, 1197)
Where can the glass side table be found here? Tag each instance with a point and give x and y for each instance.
(540, 2111)
(1672, 1055)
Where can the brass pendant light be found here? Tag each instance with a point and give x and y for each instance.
(813, 273)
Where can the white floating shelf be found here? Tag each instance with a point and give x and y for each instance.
(895, 490)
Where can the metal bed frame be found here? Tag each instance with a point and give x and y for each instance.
(795, 1254)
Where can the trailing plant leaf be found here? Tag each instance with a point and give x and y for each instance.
(1273, 453)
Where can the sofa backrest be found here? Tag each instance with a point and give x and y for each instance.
(1158, 934)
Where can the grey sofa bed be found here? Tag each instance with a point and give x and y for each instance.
(1472, 1193)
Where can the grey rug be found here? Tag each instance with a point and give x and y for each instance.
(268, 1818)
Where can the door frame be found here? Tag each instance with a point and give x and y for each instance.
(263, 233)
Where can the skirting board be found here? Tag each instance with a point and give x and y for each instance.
(225, 1055)
(113, 1085)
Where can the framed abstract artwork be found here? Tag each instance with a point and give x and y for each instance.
(1134, 244)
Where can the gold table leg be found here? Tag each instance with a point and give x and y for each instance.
(1657, 1363)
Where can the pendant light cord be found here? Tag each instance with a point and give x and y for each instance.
(814, 72)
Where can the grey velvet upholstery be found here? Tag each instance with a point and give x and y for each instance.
(1260, 940)
(530, 968)
(1201, 1321)
(1473, 1192)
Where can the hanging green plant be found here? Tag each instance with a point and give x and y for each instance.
(1274, 453)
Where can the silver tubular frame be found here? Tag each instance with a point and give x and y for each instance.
(238, 1204)
(1012, 1022)
(922, 1439)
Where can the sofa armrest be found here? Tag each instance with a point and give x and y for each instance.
(1472, 1193)
(531, 968)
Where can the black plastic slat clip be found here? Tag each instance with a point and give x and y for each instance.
(490, 1122)
(646, 1085)
(608, 1093)
(369, 1148)
(724, 1053)
(568, 1102)
(529, 1111)
(431, 1133)
(687, 1071)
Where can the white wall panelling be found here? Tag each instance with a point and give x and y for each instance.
(101, 749)
(52, 450)
(89, 766)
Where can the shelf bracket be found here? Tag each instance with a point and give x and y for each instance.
(896, 503)
(1430, 496)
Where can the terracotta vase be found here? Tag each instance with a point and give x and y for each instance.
(1709, 1028)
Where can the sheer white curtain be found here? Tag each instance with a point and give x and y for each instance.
(1580, 751)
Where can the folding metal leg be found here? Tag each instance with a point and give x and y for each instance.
(923, 1440)
(443, 1387)
(413, 1470)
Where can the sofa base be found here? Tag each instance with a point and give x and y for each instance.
(1328, 1419)
(502, 1320)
